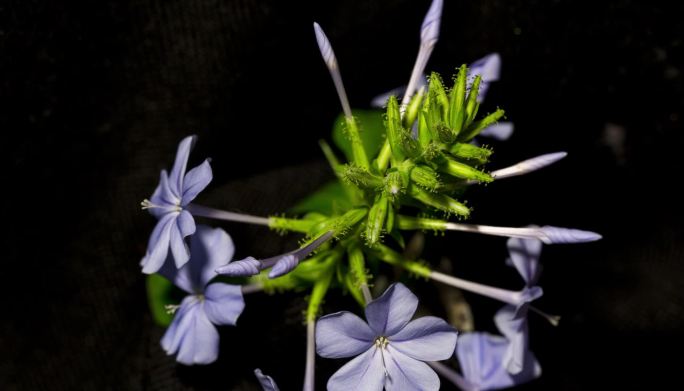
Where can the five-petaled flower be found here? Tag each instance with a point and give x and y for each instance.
(192, 333)
(391, 348)
(168, 202)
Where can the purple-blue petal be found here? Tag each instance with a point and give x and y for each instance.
(499, 131)
(480, 357)
(223, 303)
(209, 247)
(390, 312)
(266, 382)
(524, 254)
(179, 166)
(195, 181)
(427, 339)
(284, 265)
(408, 374)
(365, 372)
(342, 334)
(191, 336)
(179, 248)
(158, 245)
(243, 268)
(516, 332)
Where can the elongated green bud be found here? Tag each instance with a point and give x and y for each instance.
(476, 127)
(472, 104)
(342, 224)
(292, 225)
(394, 128)
(357, 264)
(457, 109)
(439, 201)
(425, 177)
(424, 133)
(360, 177)
(413, 109)
(464, 171)
(375, 223)
(358, 153)
(400, 139)
(439, 96)
(392, 257)
(471, 152)
(318, 292)
(395, 184)
(414, 223)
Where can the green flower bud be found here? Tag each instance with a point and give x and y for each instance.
(457, 109)
(470, 152)
(400, 139)
(360, 177)
(352, 132)
(425, 177)
(476, 127)
(413, 109)
(439, 201)
(414, 223)
(472, 105)
(375, 223)
(462, 170)
(357, 264)
(395, 183)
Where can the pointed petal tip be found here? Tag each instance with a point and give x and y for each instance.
(429, 30)
(242, 268)
(284, 265)
(558, 235)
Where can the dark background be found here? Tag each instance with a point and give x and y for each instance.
(96, 96)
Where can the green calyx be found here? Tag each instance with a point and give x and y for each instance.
(417, 156)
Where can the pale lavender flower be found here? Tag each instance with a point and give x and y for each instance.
(266, 382)
(481, 358)
(192, 334)
(391, 349)
(168, 204)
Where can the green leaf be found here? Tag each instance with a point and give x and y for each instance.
(325, 200)
(372, 133)
(160, 293)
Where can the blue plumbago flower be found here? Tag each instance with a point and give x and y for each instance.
(280, 264)
(390, 348)
(192, 334)
(481, 358)
(266, 382)
(168, 204)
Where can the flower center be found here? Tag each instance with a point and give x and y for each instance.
(381, 342)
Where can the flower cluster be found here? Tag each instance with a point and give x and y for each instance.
(408, 170)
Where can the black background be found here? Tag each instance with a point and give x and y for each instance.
(96, 95)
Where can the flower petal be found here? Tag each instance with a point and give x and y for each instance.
(390, 312)
(223, 303)
(406, 373)
(209, 247)
(480, 356)
(516, 332)
(499, 131)
(243, 268)
(427, 339)
(524, 255)
(200, 345)
(342, 334)
(365, 372)
(195, 181)
(191, 335)
(179, 166)
(185, 226)
(158, 245)
(267, 382)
